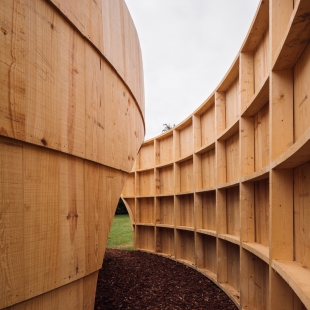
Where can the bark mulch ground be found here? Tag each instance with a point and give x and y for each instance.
(138, 280)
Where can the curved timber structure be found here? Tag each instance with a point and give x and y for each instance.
(227, 191)
(71, 124)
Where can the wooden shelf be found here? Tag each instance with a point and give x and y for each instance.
(297, 277)
(229, 184)
(259, 99)
(211, 275)
(205, 148)
(296, 155)
(165, 226)
(165, 165)
(206, 190)
(145, 224)
(230, 238)
(258, 250)
(229, 132)
(207, 232)
(296, 38)
(185, 158)
(257, 176)
(231, 292)
(189, 228)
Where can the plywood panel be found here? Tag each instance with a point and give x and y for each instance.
(261, 61)
(186, 141)
(11, 222)
(186, 176)
(165, 210)
(302, 214)
(232, 103)
(185, 212)
(302, 94)
(208, 259)
(261, 136)
(233, 211)
(129, 187)
(233, 265)
(185, 246)
(146, 156)
(145, 210)
(208, 211)
(208, 169)
(232, 158)
(166, 180)
(165, 241)
(146, 238)
(165, 150)
(207, 124)
(145, 183)
(262, 212)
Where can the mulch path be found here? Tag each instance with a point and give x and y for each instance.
(138, 280)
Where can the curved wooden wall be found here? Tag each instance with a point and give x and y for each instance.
(227, 190)
(71, 124)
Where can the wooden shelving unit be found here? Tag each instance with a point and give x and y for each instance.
(231, 183)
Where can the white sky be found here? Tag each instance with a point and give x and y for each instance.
(187, 48)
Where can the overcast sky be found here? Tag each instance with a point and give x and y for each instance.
(187, 48)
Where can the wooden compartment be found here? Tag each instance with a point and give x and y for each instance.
(184, 176)
(206, 210)
(184, 140)
(228, 273)
(206, 255)
(261, 61)
(185, 246)
(165, 180)
(165, 210)
(282, 296)
(261, 138)
(145, 159)
(228, 211)
(164, 149)
(302, 214)
(184, 211)
(145, 210)
(165, 241)
(281, 12)
(145, 184)
(302, 94)
(207, 126)
(232, 158)
(261, 216)
(129, 187)
(145, 238)
(207, 169)
(254, 282)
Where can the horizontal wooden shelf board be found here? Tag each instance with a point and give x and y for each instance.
(166, 255)
(145, 196)
(184, 193)
(185, 158)
(229, 132)
(205, 105)
(145, 250)
(170, 163)
(229, 184)
(187, 122)
(296, 39)
(145, 169)
(231, 292)
(259, 25)
(164, 135)
(231, 75)
(296, 155)
(259, 99)
(145, 224)
(188, 228)
(206, 232)
(258, 250)
(257, 176)
(230, 238)
(165, 226)
(205, 148)
(205, 190)
(297, 276)
(164, 195)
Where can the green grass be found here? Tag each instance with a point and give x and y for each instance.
(121, 235)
